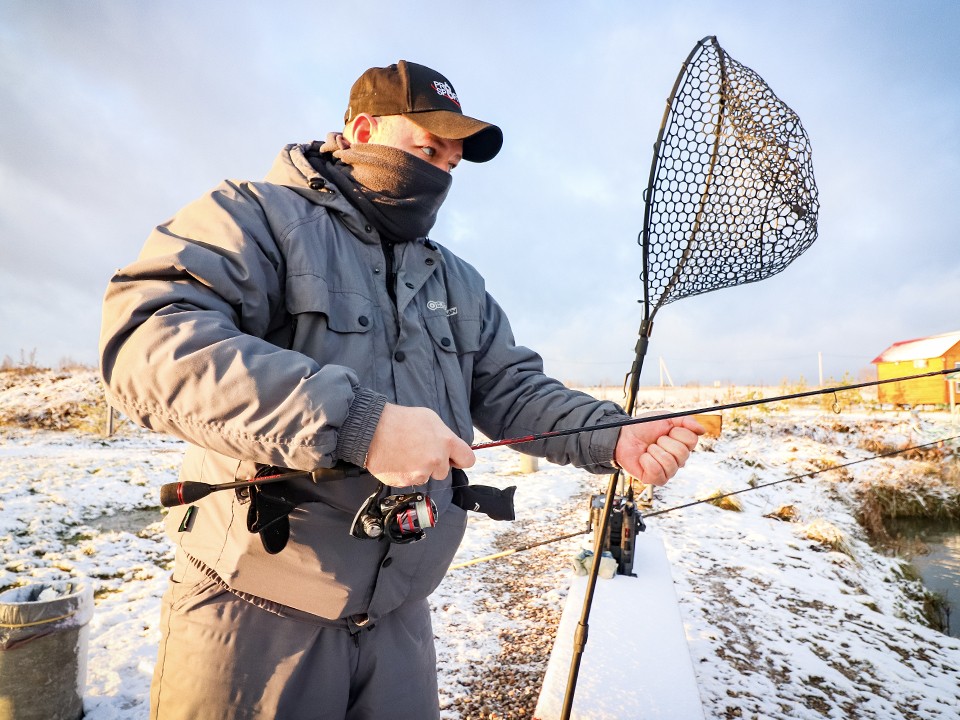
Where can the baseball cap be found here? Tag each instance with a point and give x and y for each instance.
(427, 98)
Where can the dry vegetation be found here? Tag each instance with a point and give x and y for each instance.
(35, 398)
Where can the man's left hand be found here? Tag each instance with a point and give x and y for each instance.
(653, 452)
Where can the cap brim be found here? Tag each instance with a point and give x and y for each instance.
(481, 141)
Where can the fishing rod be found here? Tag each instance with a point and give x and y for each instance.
(707, 410)
(702, 501)
(185, 492)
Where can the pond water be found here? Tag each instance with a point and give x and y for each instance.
(132, 521)
(939, 567)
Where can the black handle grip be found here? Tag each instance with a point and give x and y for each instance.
(183, 493)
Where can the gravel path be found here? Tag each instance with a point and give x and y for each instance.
(520, 599)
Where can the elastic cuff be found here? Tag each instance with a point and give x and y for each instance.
(357, 430)
(603, 445)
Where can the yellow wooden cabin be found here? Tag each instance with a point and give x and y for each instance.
(914, 357)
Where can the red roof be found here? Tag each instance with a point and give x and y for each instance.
(919, 349)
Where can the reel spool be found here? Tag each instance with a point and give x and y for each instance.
(400, 519)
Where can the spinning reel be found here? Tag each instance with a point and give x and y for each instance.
(399, 518)
(403, 518)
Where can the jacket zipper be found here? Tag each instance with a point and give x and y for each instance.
(391, 270)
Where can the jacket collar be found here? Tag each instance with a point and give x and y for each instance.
(293, 170)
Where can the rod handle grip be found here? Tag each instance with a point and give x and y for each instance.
(183, 493)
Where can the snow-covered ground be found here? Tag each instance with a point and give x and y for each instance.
(784, 619)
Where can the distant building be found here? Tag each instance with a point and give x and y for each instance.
(914, 357)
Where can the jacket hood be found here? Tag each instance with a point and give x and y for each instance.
(293, 170)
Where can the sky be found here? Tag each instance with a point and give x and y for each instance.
(116, 114)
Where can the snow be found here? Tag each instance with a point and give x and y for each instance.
(652, 662)
(778, 623)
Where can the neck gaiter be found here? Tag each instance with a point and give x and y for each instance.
(399, 193)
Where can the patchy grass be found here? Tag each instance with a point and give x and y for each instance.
(933, 453)
(828, 535)
(911, 499)
(869, 513)
(784, 513)
(951, 473)
(832, 469)
(717, 499)
(35, 398)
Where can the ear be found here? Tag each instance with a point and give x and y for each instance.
(360, 129)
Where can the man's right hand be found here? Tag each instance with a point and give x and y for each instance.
(412, 445)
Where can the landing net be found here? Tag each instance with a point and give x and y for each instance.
(731, 198)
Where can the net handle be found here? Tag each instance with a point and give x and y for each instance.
(646, 327)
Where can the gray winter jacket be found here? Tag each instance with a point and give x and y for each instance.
(257, 326)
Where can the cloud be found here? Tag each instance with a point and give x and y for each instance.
(117, 114)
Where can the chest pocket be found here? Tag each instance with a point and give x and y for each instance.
(332, 327)
(455, 340)
(456, 334)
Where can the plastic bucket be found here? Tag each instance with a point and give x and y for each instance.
(43, 650)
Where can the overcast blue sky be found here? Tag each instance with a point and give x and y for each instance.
(115, 114)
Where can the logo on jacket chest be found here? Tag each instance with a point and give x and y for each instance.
(442, 306)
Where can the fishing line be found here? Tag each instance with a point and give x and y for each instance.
(513, 551)
(702, 501)
(184, 492)
(714, 498)
(705, 410)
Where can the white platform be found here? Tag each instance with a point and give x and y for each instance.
(636, 663)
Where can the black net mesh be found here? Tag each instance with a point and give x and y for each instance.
(732, 198)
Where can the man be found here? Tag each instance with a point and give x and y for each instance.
(308, 322)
